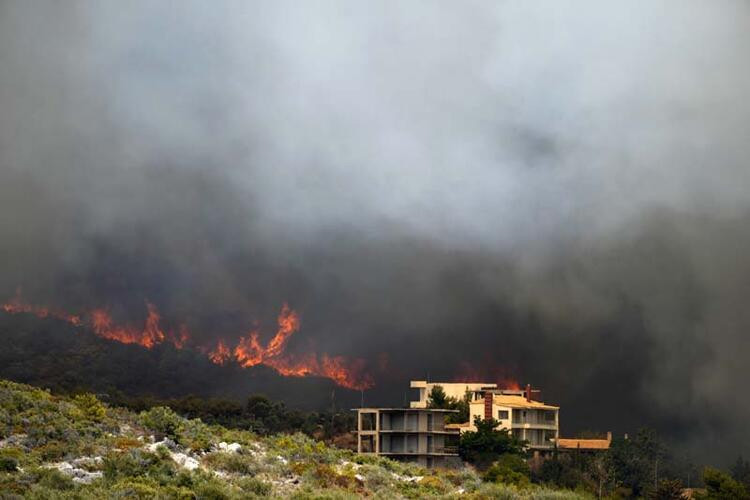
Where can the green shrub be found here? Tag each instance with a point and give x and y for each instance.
(254, 486)
(162, 421)
(194, 434)
(721, 486)
(433, 485)
(231, 462)
(8, 464)
(509, 469)
(89, 407)
(211, 489)
(53, 479)
(135, 463)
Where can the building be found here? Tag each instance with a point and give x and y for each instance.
(409, 434)
(527, 419)
(584, 445)
(452, 389)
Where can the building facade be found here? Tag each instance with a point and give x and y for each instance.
(533, 421)
(409, 434)
(452, 389)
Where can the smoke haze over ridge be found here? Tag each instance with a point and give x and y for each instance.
(561, 185)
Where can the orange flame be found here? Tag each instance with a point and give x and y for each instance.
(16, 306)
(181, 339)
(151, 334)
(288, 324)
(471, 373)
(221, 354)
(248, 352)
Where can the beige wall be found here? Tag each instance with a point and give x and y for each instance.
(532, 427)
(452, 389)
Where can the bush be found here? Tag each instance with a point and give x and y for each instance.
(231, 462)
(8, 464)
(89, 407)
(720, 486)
(53, 479)
(509, 469)
(194, 434)
(487, 443)
(162, 421)
(254, 486)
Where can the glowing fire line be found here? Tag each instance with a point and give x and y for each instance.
(248, 352)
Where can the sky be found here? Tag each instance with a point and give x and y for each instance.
(551, 192)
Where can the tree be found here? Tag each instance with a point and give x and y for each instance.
(462, 405)
(636, 461)
(720, 486)
(668, 489)
(438, 399)
(602, 471)
(487, 443)
(741, 471)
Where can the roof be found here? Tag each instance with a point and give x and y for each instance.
(516, 402)
(464, 425)
(583, 444)
(414, 384)
(413, 410)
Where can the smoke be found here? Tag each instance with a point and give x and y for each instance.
(555, 192)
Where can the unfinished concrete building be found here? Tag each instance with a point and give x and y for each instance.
(417, 435)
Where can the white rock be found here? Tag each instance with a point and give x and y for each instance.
(282, 459)
(153, 446)
(231, 447)
(185, 461)
(88, 477)
(79, 475)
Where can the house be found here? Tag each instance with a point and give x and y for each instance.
(410, 434)
(526, 419)
(455, 390)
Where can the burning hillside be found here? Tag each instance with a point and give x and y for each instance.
(247, 352)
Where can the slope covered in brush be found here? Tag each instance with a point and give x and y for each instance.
(59, 447)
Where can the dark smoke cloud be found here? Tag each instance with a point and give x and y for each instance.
(556, 193)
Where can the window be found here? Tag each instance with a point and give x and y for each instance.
(549, 416)
(502, 414)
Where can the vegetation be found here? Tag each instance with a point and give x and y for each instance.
(259, 414)
(78, 447)
(721, 486)
(438, 399)
(488, 443)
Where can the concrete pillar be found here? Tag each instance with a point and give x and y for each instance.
(377, 432)
(359, 431)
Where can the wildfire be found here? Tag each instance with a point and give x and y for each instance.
(248, 352)
(16, 306)
(148, 337)
(471, 373)
(221, 354)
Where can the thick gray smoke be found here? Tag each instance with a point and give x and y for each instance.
(553, 191)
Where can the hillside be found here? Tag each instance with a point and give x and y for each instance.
(51, 353)
(60, 447)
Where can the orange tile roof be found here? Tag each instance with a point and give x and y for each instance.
(583, 444)
(516, 402)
